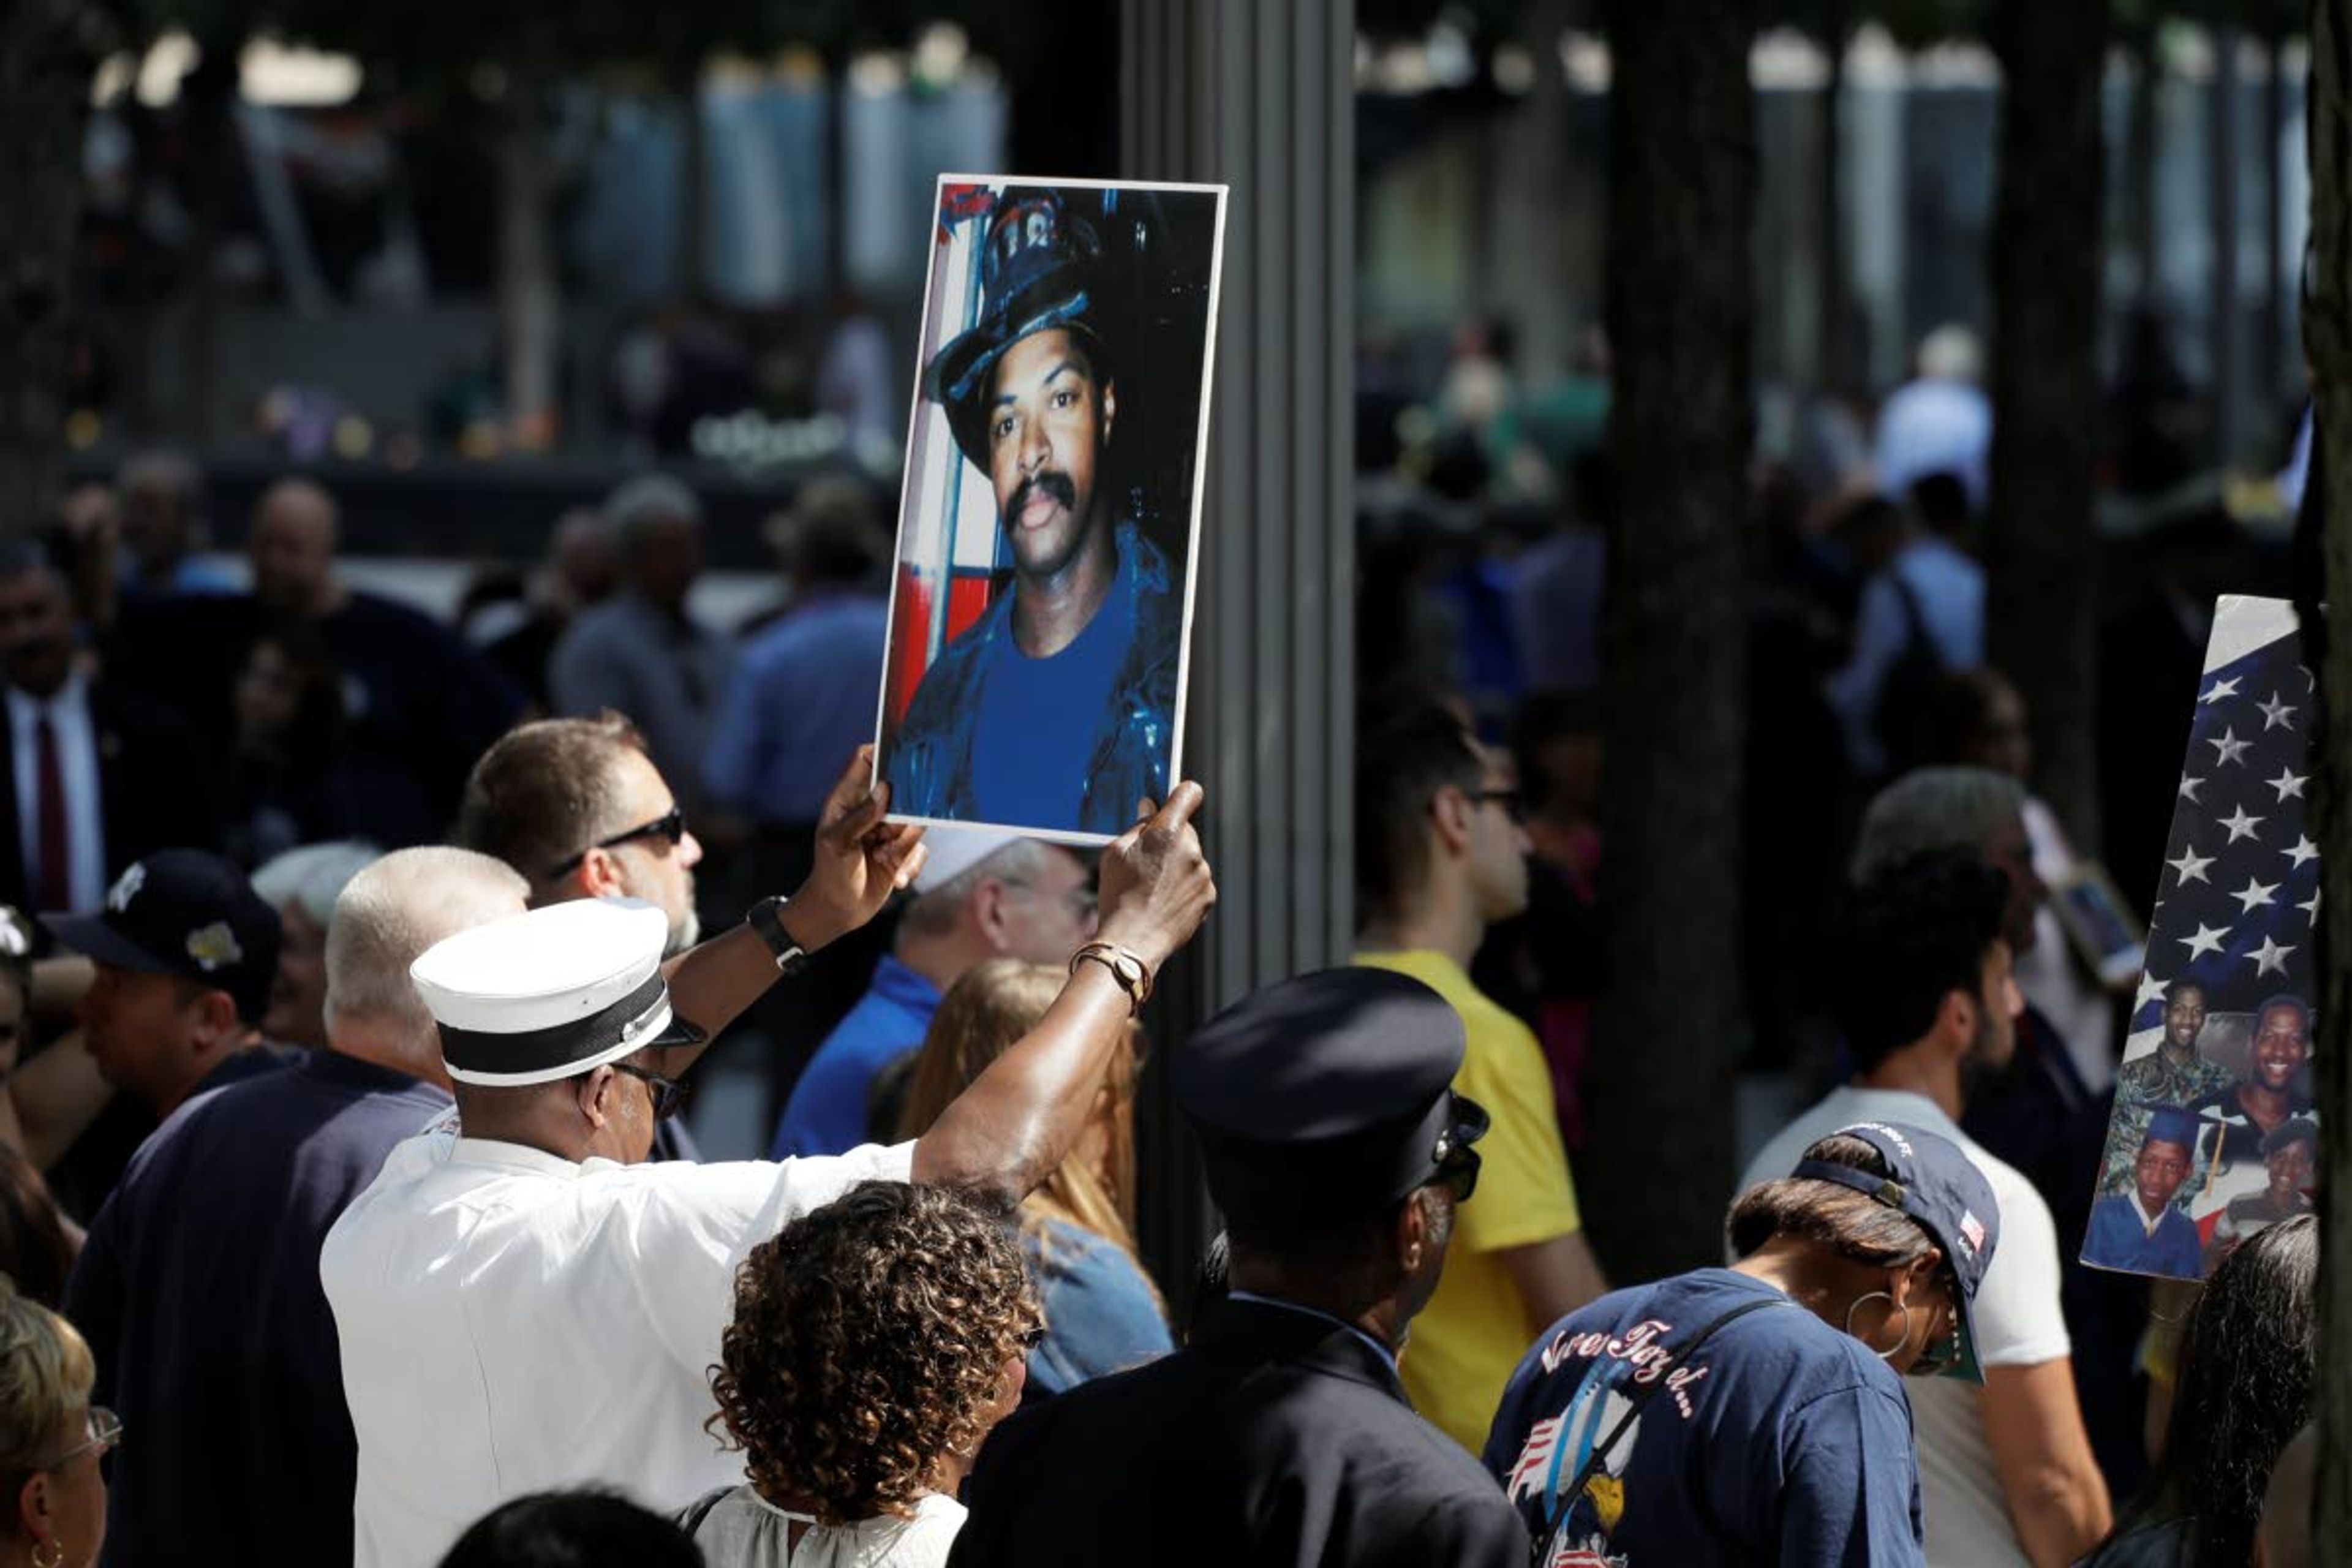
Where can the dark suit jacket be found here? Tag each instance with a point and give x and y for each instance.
(153, 793)
(1276, 1440)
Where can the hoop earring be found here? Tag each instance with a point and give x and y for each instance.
(58, 1547)
(1904, 1306)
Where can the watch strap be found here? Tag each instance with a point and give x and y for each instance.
(1134, 976)
(764, 917)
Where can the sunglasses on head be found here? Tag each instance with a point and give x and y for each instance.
(669, 1094)
(670, 824)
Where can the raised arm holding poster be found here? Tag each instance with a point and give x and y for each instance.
(1047, 524)
(2214, 1133)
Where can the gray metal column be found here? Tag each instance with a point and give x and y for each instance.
(1260, 94)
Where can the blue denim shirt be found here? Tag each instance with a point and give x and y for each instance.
(1100, 1314)
(930, 764)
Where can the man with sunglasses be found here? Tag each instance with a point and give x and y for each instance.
(579, 808)
(1441, 856)
(1340, 1158)
(574, 1296)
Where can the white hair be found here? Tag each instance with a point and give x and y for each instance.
(1022, 860)
(642, 504)
(313, 876)
(391, 912)
(1950, 354)
(1935, 808)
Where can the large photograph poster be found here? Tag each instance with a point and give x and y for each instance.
(2214, 1135)
(1048, 522)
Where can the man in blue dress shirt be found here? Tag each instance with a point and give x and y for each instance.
(979, 896)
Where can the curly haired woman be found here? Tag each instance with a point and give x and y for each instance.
(876, 1340)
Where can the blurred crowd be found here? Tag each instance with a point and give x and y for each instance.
(347, 1215)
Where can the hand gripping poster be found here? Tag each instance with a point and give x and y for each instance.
(1047, 525)
(2214, 1135)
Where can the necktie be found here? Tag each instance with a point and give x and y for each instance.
(53, 885)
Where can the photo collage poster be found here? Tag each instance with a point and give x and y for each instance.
(2214, 1134)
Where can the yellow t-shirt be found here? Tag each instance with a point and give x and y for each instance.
(1474, 1331)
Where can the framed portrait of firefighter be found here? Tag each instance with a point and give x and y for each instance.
(1042, 585)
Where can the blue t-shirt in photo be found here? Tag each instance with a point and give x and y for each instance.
(1780, 1442)
(1040, 718)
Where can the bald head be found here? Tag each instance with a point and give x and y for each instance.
(384, 919)
(293, 548)
(162, 502)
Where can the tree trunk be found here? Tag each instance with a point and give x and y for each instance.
(836, 170)
(1833, 365)
(1546, 329)
(2229, 384)
(2139, 159)
(693, 187)
(530, 290)
(1681, 308)
(2041, 543)
(208, 98)
(2327, 343)
(1054, 127)
(48, 50)
(2272, 362)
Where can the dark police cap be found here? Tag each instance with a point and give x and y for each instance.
(1328, 1088)
(1040, 270)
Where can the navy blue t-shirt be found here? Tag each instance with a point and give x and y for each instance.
(1040, 718)
(1782, 1442)
(199, 1294)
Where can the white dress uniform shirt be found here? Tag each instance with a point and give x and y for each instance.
(511, 1321)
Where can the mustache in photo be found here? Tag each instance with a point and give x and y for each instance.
(1052, 483)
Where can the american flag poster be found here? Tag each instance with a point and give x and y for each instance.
(2214, 1134)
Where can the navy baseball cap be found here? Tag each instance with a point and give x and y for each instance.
(1941, 1188)
(184, 912)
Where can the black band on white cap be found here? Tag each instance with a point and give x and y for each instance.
(540, 1056)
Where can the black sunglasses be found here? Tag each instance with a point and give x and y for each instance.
(671, 826)
(670, 1093)
(1455, 1159)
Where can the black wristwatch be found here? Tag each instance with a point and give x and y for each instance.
(761, 918)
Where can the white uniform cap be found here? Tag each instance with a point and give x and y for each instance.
(954, 851)
(551, 993)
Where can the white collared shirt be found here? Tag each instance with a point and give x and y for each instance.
(512, 1322)
(68, 715)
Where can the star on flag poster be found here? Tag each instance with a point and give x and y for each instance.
(2214, 1134)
